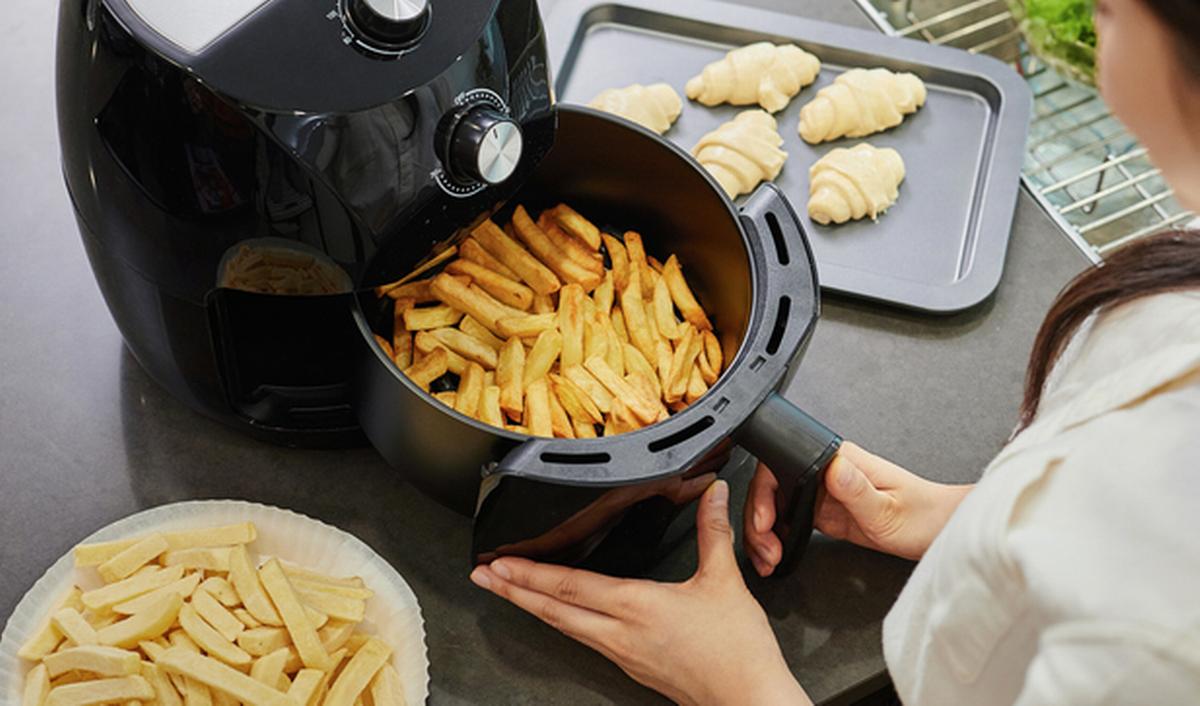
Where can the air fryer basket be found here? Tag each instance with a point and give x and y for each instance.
(753, 273)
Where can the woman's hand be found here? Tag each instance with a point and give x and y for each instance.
(703, 641)
(866, 500)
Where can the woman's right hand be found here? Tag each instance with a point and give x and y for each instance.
(866, 500)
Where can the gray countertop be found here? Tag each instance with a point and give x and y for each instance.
(86, 437)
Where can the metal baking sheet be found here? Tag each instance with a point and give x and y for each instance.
(941, 247)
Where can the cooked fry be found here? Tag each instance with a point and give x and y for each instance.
(537, 408)
(664, 310)
(430, 317)
(682, 294)
(622, 418)
(602, 296)
(713, 351)
(510, 376)
(707, 374)
(530, 326)
(542, 357)
(637, 260)
(467, 346)
(575, 400)
(619, 257)
(577, 251)
(447, 398)
(489, 406)
(696, 387)
(645, 409)
(383, 343)
(570, 323)
(505, 290)
(473, 328)
(101, 691)
(473, 251)
(595, 339)
(429, 264)
(543, 304)
(432, 366)
(130, 560)
(634, 310)
(618, 322)
(475, 302)
(402, 342)
(508, 251)
(420, 292)
(559, 262)
(654, 264)
(645, 386)
(425, 342)
(585, 381)
(575, 224)
(689, 347)
(635, 362)
(470, 389)
(560, 421)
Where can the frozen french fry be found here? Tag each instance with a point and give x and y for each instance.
(164, 692)
(570, 323)
(269, 668)
(644, 408)
(537, 408)
(431, 317)
(304, 686)
(217, 615)
(479, 332)
(571, 221)
(567, 269)
(510, 376)
(207, 638)
(585, 381)
(98, 553)
(467, 346)
(542, 357)
(681, 293)
(386, 687)
(143, 625)
(97, 659)
(529, 326)
(135, 557)
(434, 365)
(263, 640)
(72, 625)
(473, 251)
(295, 619)
(505, 290)
(508, 251)
(205, 558)
(37, 686)
(358, 672)
(103, 599)
(101, 691)
(222, 590)
(619, 257)
(245, 581)
(222, 677)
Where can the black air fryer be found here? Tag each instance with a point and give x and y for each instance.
(244, 173)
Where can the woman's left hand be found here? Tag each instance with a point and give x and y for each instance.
(703, 641)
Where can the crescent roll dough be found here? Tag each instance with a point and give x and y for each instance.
(851, 183)
(655, 107)
(860, 102)
(742, 152)
(760, 73)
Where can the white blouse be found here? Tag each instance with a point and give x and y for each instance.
(1071, 573)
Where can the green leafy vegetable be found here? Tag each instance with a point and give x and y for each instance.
(1061, 33)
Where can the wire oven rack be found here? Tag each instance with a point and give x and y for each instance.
(1086, 171)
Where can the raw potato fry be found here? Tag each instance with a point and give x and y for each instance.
(269, 668)
(100, 691)
(489, 406)
(682, 295)
(570, 323)
(103, 599)
(151, 622)
(98, 553)
(130, 560)
(645, 409)
(575, 224)
(105, 661)
(575, 401)
(164, 693)
(696, 387)
(294, 618)
(505, 290)
(206, 558)
(473, 251)
(386, 688)
(584, 380)
(217, 615)
(431, 317)
(248, 620)
(427, 343)
(530, 326)
(542, 357)
(544, 248)
(263, 641)
(664, 310)
(295, 573)
(432, 366)
(223, 678)
(207, 638)
(508, 251)
(304, 686)
(336, 607)
(479, 332)
(245, 582)
(619, 257)
(634, 309)
(37, 686)
(560, 422)
(510, 376)
(358, 673)
(467, 346)
(77, 630)
(222, 590)
(537, 408)
(383, 343)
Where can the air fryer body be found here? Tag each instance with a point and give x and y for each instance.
(288, 137)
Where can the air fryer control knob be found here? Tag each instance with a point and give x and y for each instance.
(485, 146)
(389, 24)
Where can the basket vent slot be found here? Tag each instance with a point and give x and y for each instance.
(681, 436)
(781, 324)
(781, 250)
(565, 459)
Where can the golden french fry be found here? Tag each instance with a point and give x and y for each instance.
(357, 673)
(489, 407)
(560, 421)
(245, 582)
(467, 346)
(695, 387)
(570, 323)
(595, 340)
(473, 251)
(100, 552)
(634, 309)
(713, 352)
(102, 599)
(101, 691)
(575, 401)
(508, 251)
(474, 301)
(221, 677)
(217, 615)
(635, 362)
(664, 357)
(383, 343)
(71, 624)
(130, 560)
(637, 261)
(427, 343)
(529, 326)
(543, 304)
(664, 310)
(402, 346)
(654, 264)
(707, 374)
(575, 224)
(448, 398)
(103, 660)
(618, 322)
(222, 590)
(644, 408)
(619, 257)
(418, 292)
(682, 295)
(584, 380)
(542, 357)
(574, 249)
(645, 387)
(689, 347)
(622, 419)
(583, 430)
(614, 347)
(430, 317)
(432, 366)
(304, 636)
(205, 558)
(602, 296)
(537, 408)
(655, 277)
(479, 332)
(510, 376)
(543, 247)
(505, 290)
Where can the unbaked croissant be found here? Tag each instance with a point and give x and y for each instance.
(860, 102)
(851, 183)
(760, 73)
(656, 106)
(742, 152)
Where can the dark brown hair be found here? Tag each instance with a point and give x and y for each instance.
(1162, 263)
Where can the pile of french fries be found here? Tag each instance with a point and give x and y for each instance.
(277, 270)
(184, 619)
(544, 338)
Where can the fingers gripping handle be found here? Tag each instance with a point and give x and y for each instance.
(797, 449)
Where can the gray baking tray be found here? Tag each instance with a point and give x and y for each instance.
(941, 247)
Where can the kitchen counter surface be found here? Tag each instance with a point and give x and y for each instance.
(86, 437)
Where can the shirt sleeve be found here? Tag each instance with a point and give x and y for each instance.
(1112, 663)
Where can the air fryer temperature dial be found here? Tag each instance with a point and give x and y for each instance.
(388, 24)
(485, 146)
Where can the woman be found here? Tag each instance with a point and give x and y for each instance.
(1071, 573)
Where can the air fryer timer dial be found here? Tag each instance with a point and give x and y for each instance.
(485, 146)
(388, 24)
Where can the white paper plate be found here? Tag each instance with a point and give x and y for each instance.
(393, 613)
